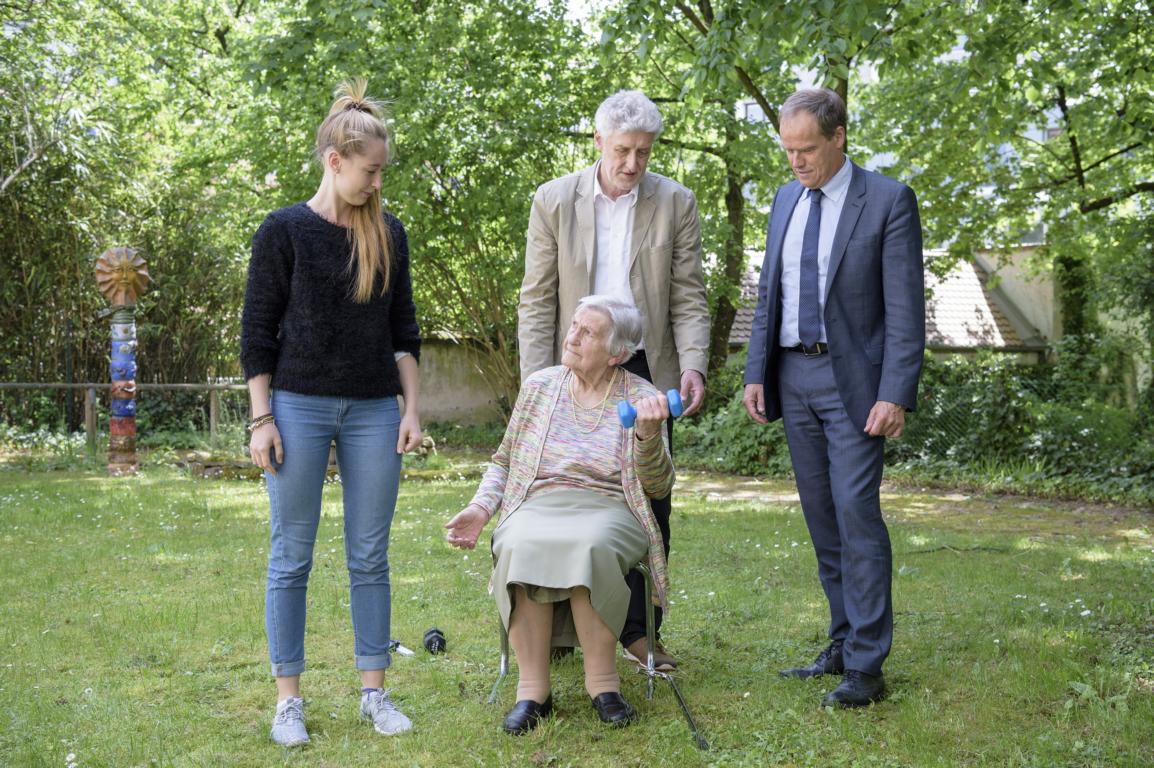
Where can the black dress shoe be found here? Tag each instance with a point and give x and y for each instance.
(612, 708)
(857, 689)
(828, 662)
(525, 715)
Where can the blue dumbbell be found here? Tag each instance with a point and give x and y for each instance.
(628, 414)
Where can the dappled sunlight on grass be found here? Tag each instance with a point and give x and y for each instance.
(914, 507)
(163, 558)
(1010, 516)
(734, 488)
(1018, 627)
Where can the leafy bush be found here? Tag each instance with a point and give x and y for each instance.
(727, 440)
(36, 409)
(987, 421)
(46, 440)
(480, 437)
(1068, 438)
(969, 410)
(186, 410)
(722, 384)
(44, 450)
(1055, 429)
(1093, 367)
(171, 411)
(1133, 477)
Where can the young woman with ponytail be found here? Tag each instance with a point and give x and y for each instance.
(329, 338)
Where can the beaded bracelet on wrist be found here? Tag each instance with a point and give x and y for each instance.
(260, 421)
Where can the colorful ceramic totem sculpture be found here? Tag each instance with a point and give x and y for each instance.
(122, 275)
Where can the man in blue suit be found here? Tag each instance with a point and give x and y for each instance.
(836, 352)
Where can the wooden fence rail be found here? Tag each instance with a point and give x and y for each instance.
(90, 389)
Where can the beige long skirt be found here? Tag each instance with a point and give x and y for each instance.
(563, 539)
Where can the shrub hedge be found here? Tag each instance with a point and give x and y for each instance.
(1059, 429)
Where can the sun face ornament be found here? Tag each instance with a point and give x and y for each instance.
(121, 276)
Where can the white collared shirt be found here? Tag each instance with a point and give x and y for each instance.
(834, 193)
(614, 223)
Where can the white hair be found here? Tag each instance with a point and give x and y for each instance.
(627, 112)
(624, 323)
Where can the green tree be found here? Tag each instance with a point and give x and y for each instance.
(103, 118)
(1028, 114)
(483, 99)
(709, 57)
(1001, 114)
(759, 48)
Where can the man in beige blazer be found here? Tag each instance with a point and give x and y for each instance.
(616, 229)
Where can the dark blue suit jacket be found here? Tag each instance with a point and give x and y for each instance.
(875, 297)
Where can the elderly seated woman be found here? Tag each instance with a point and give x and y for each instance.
(570, 488)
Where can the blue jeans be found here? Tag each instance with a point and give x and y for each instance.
(365, 432)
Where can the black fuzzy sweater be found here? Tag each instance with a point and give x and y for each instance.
(300, 323)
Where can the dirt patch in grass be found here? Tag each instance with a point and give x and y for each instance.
(953, 511)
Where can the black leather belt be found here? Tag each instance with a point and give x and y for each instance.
(820, 348)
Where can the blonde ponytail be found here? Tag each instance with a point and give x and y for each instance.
(354, 120)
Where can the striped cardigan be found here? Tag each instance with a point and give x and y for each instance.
(647, 470)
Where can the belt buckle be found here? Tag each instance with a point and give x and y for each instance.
(814, 351)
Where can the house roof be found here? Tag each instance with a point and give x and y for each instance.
(962, 312)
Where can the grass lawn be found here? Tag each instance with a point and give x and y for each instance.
(131, 634)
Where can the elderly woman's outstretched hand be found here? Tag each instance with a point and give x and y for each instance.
(651, 412)
(466, 526)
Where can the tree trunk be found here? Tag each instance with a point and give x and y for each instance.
(1074, 283)
(732, 263)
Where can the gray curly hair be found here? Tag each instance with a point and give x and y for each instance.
(624, 323)
(626, 112)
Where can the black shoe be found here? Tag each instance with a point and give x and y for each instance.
(612, 708)
(525, 715)
(828, 662)
(857, 689)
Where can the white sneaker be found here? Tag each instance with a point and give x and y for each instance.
(387, 719)
(288, 727)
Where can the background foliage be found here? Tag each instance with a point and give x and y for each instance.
(175, 128)
(1058, 430)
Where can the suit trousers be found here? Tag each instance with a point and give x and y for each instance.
(839, 469)
(635, 619)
